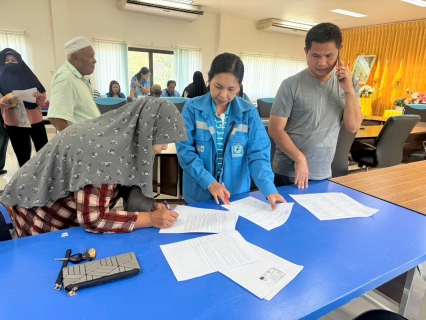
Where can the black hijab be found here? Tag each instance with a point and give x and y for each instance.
(20, 79)
(197, 87)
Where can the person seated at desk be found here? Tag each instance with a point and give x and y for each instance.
(227, 140)
(82, 172)
(155, 91)
(115, 90)
(140, 84)
(197, 87)
(170, 90)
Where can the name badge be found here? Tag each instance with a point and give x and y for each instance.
(237, 150)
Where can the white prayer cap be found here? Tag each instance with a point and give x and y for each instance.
(76, 44)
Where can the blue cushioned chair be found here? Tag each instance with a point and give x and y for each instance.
(108, 104)
(264, 106)
(179, 102)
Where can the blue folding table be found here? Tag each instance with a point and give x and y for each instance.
(342, 259)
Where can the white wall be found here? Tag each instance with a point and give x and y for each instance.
(102, 19)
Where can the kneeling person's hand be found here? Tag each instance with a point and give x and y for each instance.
(163, 218)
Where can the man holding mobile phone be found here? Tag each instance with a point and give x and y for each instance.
(309, 109)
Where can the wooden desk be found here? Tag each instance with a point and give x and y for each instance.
(370, 132)
(402, 185)
(373, 120)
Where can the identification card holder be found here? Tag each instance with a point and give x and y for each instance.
(97, 272)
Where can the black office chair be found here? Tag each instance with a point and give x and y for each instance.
(339, 166)
(388, 147)
(179, 102)
(108, 104)
(264, 106)
(419, 112)
(4, 229)
(179, 106)
(380, 315)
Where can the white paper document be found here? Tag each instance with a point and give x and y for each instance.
(200, 256)
(201, 220)
(25, 95)
(264, 278)
(260, 212)
(333, 205)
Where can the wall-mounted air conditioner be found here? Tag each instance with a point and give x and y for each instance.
(162, 8)
(290, 26)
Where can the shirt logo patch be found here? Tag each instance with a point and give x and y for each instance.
(237, 150)
(200, 149)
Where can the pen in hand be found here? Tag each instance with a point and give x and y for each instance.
(167, 205)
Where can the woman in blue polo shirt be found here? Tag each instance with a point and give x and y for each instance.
(140, 84)
(226, 140)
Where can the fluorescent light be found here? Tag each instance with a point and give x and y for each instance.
(349, 13)
(301, 22)
(416, 2)
(182, 1)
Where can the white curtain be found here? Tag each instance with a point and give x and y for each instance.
(186, 62)
(263, 74)
(17, 42)
(112, 64)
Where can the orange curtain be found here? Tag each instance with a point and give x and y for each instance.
(393, 42)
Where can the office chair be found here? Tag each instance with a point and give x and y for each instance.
(264, 106)
(108, 104)
(379, 315)
(418, 109)
(4, 229)
(179, 102)
(388, 147)
(339, 166)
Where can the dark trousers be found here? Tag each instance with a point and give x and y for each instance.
(4, 140)
(280, 180)
(20, 139)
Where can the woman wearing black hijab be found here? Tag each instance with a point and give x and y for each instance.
(16, 75)
(197, 87)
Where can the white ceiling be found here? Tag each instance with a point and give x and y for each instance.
(377, 11)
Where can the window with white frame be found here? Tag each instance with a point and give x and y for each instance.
(16, 41)
(263, 74)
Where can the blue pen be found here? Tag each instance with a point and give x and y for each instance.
(167, 205)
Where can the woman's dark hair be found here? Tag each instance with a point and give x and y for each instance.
(322, 33)
(197, 87)
(241, 93)
(110, 88)
(141, 72)
(227, 63)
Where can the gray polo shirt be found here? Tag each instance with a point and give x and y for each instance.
(315, 112)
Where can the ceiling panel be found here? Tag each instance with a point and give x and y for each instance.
(377, 11)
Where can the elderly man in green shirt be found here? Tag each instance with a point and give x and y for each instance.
(71, 99)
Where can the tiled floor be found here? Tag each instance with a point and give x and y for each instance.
(347, 312)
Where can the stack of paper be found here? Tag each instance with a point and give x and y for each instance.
(197, 257)
(333, 205)
(201, 220)
(259, 271)
(264, 278)
(260, 212)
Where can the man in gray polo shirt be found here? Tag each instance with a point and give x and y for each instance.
(309, 109)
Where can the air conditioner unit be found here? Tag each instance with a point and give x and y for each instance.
(285, 26)
(163, 8)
